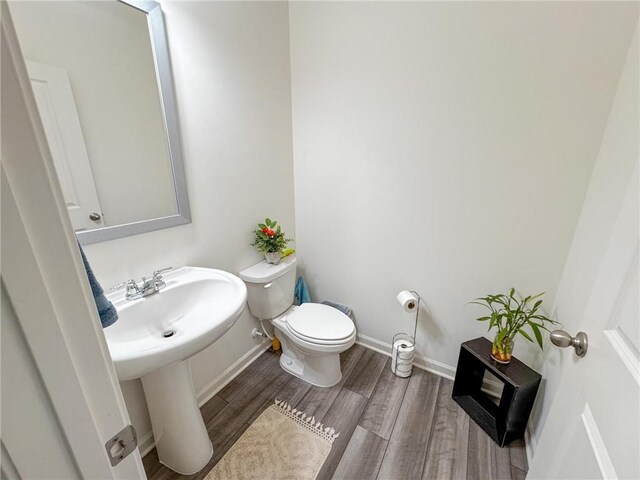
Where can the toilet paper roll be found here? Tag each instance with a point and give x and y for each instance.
(403, 366)
(404, 355)
(404, 372)
(408, 300)
(403, 349)
(402, 358)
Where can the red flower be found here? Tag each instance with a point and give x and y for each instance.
(265, 230)
(270, 232)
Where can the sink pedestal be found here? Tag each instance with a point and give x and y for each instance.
(180, 434)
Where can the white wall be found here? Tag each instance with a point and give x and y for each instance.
(105, 49)
(445, 147)
(231, 70)
(618, 156)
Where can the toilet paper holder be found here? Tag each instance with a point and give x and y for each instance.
(402, 351)
(403, 344)
(410, 301)
(415, 326)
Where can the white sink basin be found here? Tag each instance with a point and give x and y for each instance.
(197, 307)
(153, 339)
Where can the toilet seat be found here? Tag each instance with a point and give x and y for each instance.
(320, 324)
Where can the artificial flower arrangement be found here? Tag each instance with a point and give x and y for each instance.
(270, 240)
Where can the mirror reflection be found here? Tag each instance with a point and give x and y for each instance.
(93, 73)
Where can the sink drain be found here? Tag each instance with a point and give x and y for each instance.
(169, 333)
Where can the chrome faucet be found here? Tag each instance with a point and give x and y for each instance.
(155, 283)
(148, 286)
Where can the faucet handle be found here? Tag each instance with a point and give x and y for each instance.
(130, 284)
(158, 273)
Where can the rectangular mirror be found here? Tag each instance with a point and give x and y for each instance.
(102, 80)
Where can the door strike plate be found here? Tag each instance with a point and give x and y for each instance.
(121, 445)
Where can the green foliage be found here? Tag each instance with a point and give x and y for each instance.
(270, 237)
(511, 313)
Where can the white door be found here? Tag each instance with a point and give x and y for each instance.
(595, 421)
(59, 115)
(61, 401)
(593, 428)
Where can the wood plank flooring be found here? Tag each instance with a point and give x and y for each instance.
(390, 428)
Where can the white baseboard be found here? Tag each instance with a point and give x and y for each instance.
(146, 442)
(373, 344)
(530, 443)
(420, 361)
(427, 364)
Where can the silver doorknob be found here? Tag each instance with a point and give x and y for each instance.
(562, 339)
(95, 216)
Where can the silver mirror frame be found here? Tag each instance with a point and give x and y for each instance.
(164, 75)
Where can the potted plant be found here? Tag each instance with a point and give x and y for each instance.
(510, 314)
(270, 240)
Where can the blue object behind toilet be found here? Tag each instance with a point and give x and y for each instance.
(301, 292)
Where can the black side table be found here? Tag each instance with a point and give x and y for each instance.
(506, 421)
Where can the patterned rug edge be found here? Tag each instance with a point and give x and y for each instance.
(308, 421)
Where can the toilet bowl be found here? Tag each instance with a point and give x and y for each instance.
(312, 335)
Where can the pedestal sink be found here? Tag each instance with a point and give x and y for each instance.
(153, 340)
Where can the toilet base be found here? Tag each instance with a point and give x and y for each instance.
(319, 369)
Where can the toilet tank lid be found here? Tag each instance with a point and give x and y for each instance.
(264, 272)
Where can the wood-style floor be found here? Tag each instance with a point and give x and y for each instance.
(390, 428)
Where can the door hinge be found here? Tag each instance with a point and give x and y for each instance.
(121, 445)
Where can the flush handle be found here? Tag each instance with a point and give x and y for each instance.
(562, 339)
(95, 217)
(268, 285)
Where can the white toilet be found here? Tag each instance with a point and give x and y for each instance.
(312, 335)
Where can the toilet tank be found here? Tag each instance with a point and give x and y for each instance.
(270, 287)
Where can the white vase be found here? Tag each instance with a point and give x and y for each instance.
(272, 257)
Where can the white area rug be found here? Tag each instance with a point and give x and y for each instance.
(283, 443)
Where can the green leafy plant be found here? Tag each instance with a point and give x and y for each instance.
(510, 314)
(270, 238)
